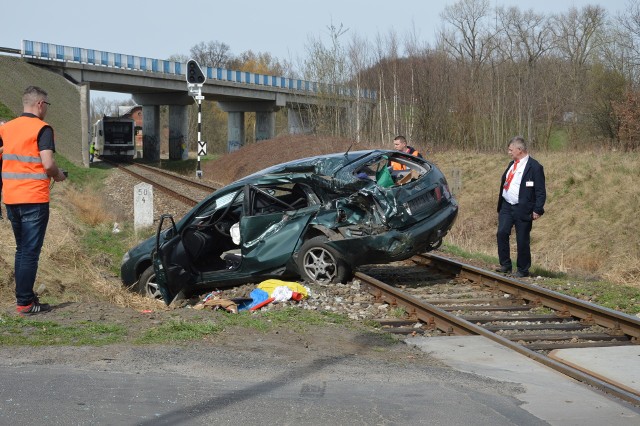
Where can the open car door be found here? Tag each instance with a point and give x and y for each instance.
(182, 256)
(171, 274)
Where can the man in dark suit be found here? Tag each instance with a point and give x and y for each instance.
(521, 201)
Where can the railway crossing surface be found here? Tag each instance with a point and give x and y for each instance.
(548, 395)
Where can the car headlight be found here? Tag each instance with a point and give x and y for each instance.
(125, 258)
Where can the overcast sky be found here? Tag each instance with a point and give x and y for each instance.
(160, 28)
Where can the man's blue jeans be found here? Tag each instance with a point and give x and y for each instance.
(29, 222)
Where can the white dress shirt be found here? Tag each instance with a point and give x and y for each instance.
(511, 195)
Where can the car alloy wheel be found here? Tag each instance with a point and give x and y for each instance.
(318, 262)
(147, 285)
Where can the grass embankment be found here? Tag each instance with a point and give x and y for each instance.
(590, 228)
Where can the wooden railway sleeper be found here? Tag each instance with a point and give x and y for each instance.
(430, 324)
(564, 312)
(412, 314)
(616, 330)
(588, 320)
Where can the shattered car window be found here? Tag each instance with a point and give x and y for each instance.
(279, 198)
(393, 170)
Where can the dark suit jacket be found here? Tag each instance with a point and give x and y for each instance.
(530, 198)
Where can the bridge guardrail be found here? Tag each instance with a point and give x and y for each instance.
(57, 52)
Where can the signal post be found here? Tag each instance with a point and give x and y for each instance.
(195, 81)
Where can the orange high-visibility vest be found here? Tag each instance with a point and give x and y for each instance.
(23, 176)
(398, 166)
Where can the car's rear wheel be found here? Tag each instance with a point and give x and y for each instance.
(320, 263)
(147, 285)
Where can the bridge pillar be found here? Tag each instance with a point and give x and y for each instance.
(235, 132)
(151, 132)
(299, 121)
(265, 120)
(85, 114)
(265, 125)
(178, 132)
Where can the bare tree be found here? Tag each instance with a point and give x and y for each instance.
(624, 51)
(101, 106)
(525, 38)
(211, 54)
(470, 40)
(576, 39)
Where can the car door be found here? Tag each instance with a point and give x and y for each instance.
(170, 261)
(271, 226)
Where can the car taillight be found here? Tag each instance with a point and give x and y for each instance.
(438, 193)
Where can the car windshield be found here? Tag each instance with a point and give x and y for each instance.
(219, 203)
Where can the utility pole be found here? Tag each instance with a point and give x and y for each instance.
(195, 80)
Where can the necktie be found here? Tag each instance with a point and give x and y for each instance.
(507, 183)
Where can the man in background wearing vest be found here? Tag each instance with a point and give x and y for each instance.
(28, 165)
(400, 144)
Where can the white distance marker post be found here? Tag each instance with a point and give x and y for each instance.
(142, 206)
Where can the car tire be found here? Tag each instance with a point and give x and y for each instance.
(147, 286)
(320, 263)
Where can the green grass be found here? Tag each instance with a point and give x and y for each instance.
(83, 177)
(101, 242)
(457, 251)
(620, 298)
(16, 330)
(179, 330)
(5, 113)
(398, 312)
(559, 140)
(23, 331)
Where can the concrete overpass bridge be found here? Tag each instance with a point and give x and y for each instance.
(156, 82)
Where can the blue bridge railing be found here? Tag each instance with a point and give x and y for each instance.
(58, 52)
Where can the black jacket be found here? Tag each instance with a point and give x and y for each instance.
(532, 195)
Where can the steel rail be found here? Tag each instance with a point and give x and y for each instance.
(188, 181)
(181, 197)
(451, 324)
(566, 306)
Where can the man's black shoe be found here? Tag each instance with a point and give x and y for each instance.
(520, 274)
(503, 269)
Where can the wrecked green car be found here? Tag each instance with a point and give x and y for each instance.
(314, 219)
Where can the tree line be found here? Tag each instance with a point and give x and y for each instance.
(566, 80)
(563, 81)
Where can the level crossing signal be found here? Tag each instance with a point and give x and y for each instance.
(194, 73)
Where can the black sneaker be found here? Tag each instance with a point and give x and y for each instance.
(34, 307)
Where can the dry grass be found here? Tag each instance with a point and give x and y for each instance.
(590, 226)
(90, 208)
(66, 273)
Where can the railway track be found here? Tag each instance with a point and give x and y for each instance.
(185, 190)
(459, 299)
